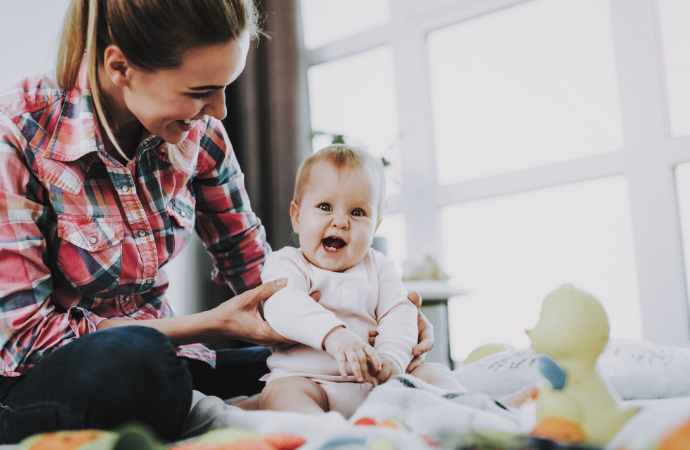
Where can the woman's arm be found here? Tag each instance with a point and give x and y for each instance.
(225, 222)
(237, 318)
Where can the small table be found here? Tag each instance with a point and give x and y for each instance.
(435, 295)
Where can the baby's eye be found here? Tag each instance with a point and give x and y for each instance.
(358, 213)
(325, 207)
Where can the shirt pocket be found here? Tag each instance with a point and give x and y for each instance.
(90, 252)
(181, 212)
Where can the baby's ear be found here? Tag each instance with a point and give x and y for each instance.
(294, 216)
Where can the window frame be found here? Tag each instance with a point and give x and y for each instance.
(647, 158)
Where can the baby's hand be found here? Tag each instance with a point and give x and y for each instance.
(389, 369)
(345, 347)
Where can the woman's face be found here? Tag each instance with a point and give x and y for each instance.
(168, 102)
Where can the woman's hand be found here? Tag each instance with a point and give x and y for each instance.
(239, 317)
(426, 334)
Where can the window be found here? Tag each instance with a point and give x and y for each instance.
(536, 144)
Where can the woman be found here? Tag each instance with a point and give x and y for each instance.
(104, 171)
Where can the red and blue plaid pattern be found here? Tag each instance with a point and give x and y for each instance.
(83, 238)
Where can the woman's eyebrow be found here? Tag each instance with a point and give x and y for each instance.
(207, 88)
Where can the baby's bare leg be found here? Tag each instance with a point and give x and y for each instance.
(438, 375)
(296, 394)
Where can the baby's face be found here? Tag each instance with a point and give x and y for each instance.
(337, 217)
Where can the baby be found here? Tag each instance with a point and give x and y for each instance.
(336, 209)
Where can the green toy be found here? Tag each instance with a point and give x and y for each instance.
(573, 330)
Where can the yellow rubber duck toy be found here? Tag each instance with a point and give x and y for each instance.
(573, 331)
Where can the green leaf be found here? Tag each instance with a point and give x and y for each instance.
(338, 139)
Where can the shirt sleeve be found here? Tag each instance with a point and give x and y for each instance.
(291, 312)
(32, 326)
(230, 230)
(396, 317)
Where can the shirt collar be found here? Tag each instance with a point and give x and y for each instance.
(76, 133)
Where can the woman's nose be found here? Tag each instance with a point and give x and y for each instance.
(216, 105)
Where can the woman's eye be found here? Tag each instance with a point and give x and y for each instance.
(325, 207)
(358, 213)
(201, 95)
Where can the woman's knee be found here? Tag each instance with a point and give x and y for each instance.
(126, 373)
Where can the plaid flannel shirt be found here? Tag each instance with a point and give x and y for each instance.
(83, 238)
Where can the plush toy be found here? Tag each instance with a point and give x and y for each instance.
(242, 439)
(578, 407)
(129, 437)
(140, 437)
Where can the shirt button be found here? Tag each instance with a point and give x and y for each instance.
(128, 298)
(142, 233)
(93, 239)
(125, 189)
(145, 143)
(183, 214)
(149, 280)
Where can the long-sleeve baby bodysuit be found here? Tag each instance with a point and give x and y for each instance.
(366, 297)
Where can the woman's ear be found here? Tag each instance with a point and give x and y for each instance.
(294, 216)
(116, 66)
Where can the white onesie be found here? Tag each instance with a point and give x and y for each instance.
(366, 297)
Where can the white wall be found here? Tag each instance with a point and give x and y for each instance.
(29, 32)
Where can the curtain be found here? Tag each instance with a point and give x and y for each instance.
(268, 118)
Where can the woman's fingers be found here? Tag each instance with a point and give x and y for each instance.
(264, 291)
(373, 357)
(372, 337)
(415, 298)
(426, 335)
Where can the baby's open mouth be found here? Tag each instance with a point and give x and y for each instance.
(333, 244)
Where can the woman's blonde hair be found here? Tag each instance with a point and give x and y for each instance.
(342, 157)
(152, 34)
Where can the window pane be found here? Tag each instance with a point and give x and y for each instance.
(512, 251)
(675, 35)
(523, 87)
(327, 21)
(683, 186)
(393, 229)
(355, 97)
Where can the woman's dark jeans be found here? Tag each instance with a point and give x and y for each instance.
(119, 375)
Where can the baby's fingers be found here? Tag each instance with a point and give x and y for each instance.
(341, 359)
(355, 364)
(373, 357)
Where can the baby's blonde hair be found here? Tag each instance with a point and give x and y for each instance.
(342, 157)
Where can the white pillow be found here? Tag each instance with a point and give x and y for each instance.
(634, 369)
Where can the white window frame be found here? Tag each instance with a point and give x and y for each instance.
(648, 157)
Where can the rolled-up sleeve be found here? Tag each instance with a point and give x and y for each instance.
(31, 325)
(231, 232)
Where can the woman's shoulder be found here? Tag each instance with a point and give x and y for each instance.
(30, 95)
